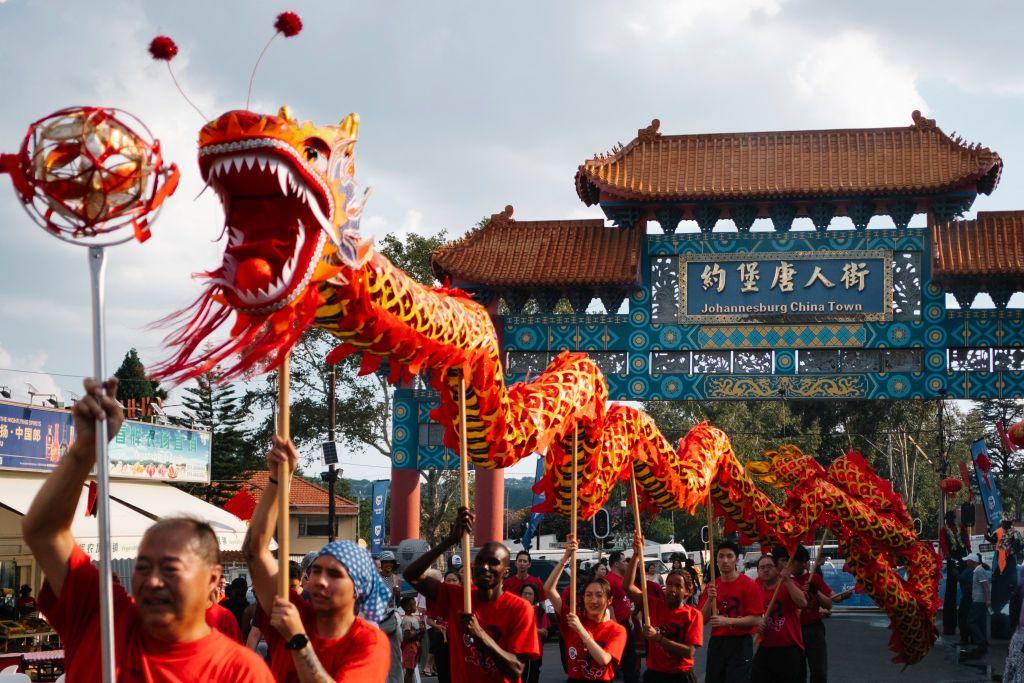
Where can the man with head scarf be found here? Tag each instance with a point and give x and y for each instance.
(328, 637)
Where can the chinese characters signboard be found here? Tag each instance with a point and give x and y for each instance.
(34, 438)
(850, 285)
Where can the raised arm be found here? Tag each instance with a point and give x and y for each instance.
(629, 581)
(46, 526)
(551, 585)
(414, 573)
(256, 549)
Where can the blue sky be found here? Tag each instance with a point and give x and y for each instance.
(465, 107)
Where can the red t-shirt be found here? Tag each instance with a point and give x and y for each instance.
(655, 590)
(812, 614)
(783, 624)
(683, 625)
(224, 621)
(622, 606)
(363, 654)
(513, 584)
(75, 615)
(509, 620)
(579, 664)
(740, 597)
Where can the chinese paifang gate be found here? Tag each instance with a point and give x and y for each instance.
(294, 258)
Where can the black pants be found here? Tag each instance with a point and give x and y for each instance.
(443, 663)
(630, 665)
(778, 665)
(531, 673)
(963, 616)
(977, 625)
(949, 611)
(663, 677)
(729, 659)
(816, 651)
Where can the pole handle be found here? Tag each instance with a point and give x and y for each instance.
(643, 571)
(467, 586)
(711, 549)
(574, 515)
(283, 481)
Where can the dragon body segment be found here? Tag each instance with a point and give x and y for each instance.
(294, 258)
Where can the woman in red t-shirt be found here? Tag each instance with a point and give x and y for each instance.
(676, 629)
(528, 592)
(595, 642)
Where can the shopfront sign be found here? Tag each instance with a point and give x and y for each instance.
(808, 285)
(35, 439)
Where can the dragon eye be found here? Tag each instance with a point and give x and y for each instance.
(316, 153)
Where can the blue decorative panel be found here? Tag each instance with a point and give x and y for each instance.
(916, 349)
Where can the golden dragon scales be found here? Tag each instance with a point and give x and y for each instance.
(294, 258)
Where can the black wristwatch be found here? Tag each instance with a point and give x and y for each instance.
(297, 642)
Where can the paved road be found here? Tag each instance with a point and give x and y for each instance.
(858, 652)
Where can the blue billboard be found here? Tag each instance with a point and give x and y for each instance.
(987, 486)
(35, 439)
(853, 285)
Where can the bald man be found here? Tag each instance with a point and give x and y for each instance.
(500, 635)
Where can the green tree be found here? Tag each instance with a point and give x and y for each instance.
(216, 408)
(134, 383)
(1008, 466)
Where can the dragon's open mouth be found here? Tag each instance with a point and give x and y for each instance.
(277, 215)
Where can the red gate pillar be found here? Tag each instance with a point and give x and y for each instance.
(405, 505)
(489, 504)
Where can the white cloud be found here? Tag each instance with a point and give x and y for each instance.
(30, 370)
(849, 80)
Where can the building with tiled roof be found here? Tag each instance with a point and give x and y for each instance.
(575, 259)
(857, 172)
(985, 253)
(308, 505)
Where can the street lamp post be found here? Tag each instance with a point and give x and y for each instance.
(331, 475)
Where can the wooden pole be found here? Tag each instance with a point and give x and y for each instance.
(572, 518)
(775, 594)
(711, 550)
(819, 558)
(283, 481)
(643, 572)
(467, 586)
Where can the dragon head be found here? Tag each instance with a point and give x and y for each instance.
(291, 215)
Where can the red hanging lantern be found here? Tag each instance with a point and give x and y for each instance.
(950, 485)
(1016, 434)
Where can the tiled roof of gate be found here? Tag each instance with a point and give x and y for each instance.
(916, 159)
(504, 252)
(990, 245)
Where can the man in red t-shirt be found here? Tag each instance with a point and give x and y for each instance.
(329, 636)
(224, 621)
(740, 607)
(514, 584)
(780, 655)
(819, 597)
(494, 642)
(675, 631)
(160, 636)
